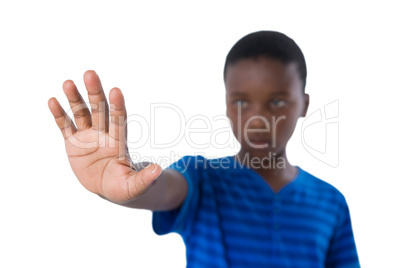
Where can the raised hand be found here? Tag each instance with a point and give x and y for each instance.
(96, 147)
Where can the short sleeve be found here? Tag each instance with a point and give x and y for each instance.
(180, 220)
(342, 251)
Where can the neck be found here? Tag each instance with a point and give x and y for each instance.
(274, 168)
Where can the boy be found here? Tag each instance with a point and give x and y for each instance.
(253, 209)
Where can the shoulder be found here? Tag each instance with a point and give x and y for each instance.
(189, 162)
(201, 163)
(198, 167)
(321, 189)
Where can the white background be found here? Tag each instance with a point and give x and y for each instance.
(173, 52)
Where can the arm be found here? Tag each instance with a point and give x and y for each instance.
(98, 154)
(166, 193)
(342, 251)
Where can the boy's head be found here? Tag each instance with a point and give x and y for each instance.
(265, 77)
(274, 45)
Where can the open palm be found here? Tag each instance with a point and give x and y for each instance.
(96, 147)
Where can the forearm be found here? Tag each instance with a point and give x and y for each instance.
(166, 193)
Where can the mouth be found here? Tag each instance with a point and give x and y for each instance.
(259, 143)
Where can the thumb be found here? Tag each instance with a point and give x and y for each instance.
(144, 178)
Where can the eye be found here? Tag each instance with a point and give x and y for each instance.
(241, 103)
(278, 103)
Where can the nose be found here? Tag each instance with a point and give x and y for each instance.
(258, 122)
(258, 119)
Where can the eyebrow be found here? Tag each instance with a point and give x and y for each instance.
(283, 93)
(242, 94)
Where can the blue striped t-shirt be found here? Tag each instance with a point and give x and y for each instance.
(232, 218)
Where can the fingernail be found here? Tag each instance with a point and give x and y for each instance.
(150, 167)
(154, 170)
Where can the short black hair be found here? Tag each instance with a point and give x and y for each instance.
(273, 44)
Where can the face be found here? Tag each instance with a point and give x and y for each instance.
(264, 99)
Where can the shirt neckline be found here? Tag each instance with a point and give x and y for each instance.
(283, 191)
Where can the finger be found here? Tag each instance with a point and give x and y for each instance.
(99, 106)
(63, 121)
(140, 181)
(82, 117)
(118, 117)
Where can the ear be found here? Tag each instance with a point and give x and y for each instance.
(306, 104)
